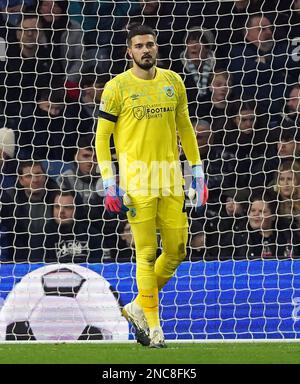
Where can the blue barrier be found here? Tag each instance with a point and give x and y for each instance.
(210, 300)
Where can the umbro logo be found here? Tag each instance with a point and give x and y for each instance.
(135, 96)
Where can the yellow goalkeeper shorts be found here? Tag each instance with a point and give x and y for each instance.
(168, 211)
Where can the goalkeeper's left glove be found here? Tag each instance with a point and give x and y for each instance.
(198, 189)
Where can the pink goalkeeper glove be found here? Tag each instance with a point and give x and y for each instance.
(114, 198)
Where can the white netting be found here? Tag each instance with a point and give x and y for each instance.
(240, 64)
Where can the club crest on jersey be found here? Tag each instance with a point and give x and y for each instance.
(169, 90)
(139, 112)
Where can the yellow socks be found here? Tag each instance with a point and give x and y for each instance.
(149, 300)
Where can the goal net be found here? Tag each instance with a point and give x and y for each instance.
(66, 266)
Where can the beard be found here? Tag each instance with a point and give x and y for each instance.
(148, 64)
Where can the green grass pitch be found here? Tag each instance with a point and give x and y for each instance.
(132, 353)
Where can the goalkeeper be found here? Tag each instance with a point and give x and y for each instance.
(145, 108)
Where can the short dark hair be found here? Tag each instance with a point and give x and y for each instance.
(28, 163)
(54, 95)
(287, 131)
(64, 192)
(288, 134)
(136, 29)
(203, 36)
(253, 16)
(242, 105)
(86, 141)
(27, 16)
(266, 195)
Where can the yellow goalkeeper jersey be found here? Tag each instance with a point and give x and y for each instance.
(148, 116)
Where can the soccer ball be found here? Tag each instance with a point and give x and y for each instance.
(62, 302)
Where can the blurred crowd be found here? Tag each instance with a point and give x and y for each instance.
(240, 62)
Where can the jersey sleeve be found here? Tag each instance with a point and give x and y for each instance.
(105, 129)
(110, 105)
(108, 116)
(184, 126)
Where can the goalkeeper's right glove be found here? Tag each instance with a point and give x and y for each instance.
(114, 198)
(198, 191)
